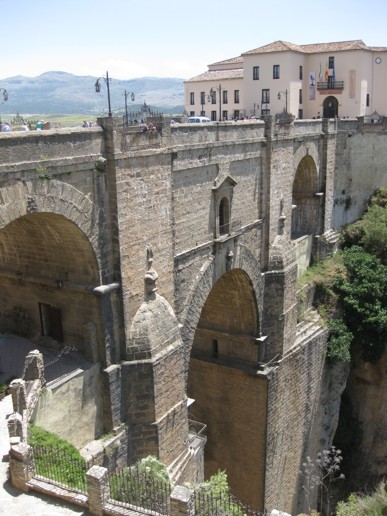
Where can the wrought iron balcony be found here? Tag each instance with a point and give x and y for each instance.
(334, 85)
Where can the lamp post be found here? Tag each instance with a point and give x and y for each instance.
(212, 93)
(286, 99)
(98, 89)
(5, 98)
(132, 97)
(256, 106)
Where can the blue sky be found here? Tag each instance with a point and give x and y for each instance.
(169, 38)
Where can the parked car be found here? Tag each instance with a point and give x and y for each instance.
(198, 119)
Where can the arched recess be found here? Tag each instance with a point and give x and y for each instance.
(230, 398)
(37, 196)
(305, 212)
(330, 107)
(47, 271)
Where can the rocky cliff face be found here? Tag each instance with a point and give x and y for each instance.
(335, 381)
(366, 395)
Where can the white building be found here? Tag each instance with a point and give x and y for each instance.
(343, 79)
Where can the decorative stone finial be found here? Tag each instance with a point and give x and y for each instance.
(282, 218)
(151, 275)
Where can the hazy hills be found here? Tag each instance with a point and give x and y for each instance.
(62, 92)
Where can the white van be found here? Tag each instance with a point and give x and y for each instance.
(198, 119)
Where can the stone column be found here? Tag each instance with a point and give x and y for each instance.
(17, 426)
(19, 395)
(97, 489)
(21, 464)
(34, 367)
(182, 502)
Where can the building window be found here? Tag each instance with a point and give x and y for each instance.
(225, 115)
(192, 99)
(276, 71)
(236, 114)
(255, 73)
(213, 116)
(224, 216)
(368, 100)
(202, 98)
(225, 97)
(300, 74)
(265, 96)
(265, 112)
(192, 113)
(213, 97)
(331, 72)
(300, 96)
(300, 114)
(236, 96)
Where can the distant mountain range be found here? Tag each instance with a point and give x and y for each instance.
(65, 93)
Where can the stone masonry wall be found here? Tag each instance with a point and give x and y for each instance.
(293, 396)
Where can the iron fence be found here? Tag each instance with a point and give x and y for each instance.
(55, 465)
(221, 504)
(136, 487)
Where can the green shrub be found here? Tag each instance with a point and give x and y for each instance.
(371, 231)
(374, 504)
(145, 484)
(363, 295)
(339, 341)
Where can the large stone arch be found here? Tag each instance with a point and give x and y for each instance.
(49, 266)
(202, 285)
(223, 380)
(32, 196)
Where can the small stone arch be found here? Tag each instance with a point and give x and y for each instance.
(305, 212)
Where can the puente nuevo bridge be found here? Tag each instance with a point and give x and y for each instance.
(167, 262)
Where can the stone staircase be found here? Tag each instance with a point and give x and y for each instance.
(310, 326)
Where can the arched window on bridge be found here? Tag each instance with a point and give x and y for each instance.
(223, 206)
(224, 217)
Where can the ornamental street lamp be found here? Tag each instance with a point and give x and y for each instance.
(5, 94)
(286, 98)
(212, 95)
(132, 97)
(98, 89)
(5, 97)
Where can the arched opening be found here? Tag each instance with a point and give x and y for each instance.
(331, 107)
(230, 398)
(47, 271)
(305, 203)
(224, 216)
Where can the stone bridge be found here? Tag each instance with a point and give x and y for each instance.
(170, 261)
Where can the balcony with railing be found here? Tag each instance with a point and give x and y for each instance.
(330, 85)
